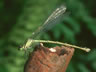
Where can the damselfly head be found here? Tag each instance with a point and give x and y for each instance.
(21, 47)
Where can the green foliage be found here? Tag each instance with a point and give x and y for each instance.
(19, 18)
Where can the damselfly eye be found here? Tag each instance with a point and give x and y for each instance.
(19, 47)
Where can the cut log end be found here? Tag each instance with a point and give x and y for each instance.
(45, 59)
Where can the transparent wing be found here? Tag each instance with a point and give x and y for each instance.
(52, 20)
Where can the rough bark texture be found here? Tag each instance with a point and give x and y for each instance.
(44, 60)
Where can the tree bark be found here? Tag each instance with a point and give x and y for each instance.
(45, 59)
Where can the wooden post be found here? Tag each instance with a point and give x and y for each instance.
(45, 59)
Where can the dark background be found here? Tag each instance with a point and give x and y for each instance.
(19, 18)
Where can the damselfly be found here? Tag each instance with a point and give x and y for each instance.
(52, 20)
